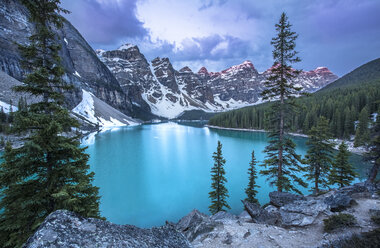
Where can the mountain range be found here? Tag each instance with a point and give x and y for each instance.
(157, 87)
(126, 82)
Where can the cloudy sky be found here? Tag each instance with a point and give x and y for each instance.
(339, 34)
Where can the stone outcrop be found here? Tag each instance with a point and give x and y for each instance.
(280, 199)
(195, 224)
(302, 212)
(66, 229)
(339, 202)
(269, 215)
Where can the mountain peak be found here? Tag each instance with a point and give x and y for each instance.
(185, 69)
(247, 64)
(126, 46)
(203, 71)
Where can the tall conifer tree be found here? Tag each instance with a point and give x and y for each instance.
(362, 132)
(373, 154)
(342, 172)
(319, 154)
(219, 194)
(282, 163)
(49, 171)
(251, 191)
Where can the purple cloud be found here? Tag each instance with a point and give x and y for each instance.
(105, 23)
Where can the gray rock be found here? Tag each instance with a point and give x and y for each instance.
(358, 190)
(253, 209)
(66, 229)
(339, 201)
(223, 215)
(244, 216)
(302, 213)
(195, 224)
(374, 213)
(228, 239)
(280, 199)
(263, 216)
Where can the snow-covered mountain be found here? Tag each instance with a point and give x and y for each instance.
(157, 87)
(100, 113)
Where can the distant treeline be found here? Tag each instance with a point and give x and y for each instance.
(341, 103)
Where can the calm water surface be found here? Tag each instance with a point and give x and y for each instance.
(151, 173)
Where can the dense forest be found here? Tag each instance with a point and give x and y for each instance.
(353, 97)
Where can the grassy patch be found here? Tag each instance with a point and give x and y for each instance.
(338, 221)
(363, 240)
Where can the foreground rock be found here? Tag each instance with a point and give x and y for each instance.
(66, 229)
(270, 215)
(280, 199)
(195, 224)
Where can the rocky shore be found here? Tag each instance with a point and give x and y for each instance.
(288, 220)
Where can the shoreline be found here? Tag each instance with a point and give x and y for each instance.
(356, 150)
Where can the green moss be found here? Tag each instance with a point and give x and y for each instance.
(338, 221)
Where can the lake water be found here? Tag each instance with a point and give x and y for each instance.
(151, 173)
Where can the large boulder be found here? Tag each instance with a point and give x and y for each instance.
(253, 209)
(66, 229)
(339, 201)
(302, 213)
(270, 215)
(280, 199)
(195, 224)
(358, 190)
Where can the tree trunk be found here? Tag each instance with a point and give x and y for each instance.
(280, 151)
(373, 173)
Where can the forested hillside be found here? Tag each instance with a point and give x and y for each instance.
(357, 94)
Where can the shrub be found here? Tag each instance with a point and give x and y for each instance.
(376, 219)
(362, 240)
(338, 221)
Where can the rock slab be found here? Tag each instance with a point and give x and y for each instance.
(280, 199)
(195, 224)
(66, 229)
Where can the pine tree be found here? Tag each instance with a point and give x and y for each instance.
(251, 191)
(373, 154)
(362, 132)
(50, 170)
(220, 193)
(319, 154)
(342, 172)
(282, 163)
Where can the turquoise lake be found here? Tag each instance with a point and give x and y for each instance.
(152, 173)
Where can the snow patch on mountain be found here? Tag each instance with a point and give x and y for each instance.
(98, 112)
(126, 46)
(7, 107)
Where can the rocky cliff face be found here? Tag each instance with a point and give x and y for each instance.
(158, 87)
(66, 229)
(82, 66)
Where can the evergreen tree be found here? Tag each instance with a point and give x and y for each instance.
(373, 154)
(342, 172)
(219, 194)
(49, 171)
(3, 116)
(282, 162)
(251, 191)
(319, 154)
(362, 132)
